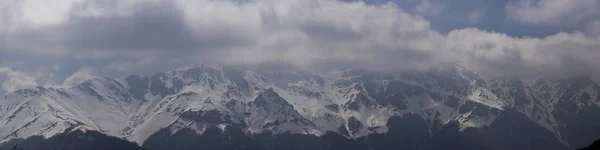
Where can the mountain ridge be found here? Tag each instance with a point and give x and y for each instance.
(355, 102)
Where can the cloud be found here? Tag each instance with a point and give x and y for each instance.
(18, 14)
(593, 27)
(12, 80)
(474, 16)
(300, 32)
(79, 77)
(128, 65)
(425, 7)
(147, 36)
(149, 26)
(558, 55)
(553, 11)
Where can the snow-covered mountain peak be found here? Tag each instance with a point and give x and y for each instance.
(269, 111)
(353, 102)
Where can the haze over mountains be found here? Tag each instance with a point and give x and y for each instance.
(451, 107)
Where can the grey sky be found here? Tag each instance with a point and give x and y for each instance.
(59, 43)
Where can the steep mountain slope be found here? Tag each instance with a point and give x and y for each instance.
(575, 104)
(89, 140)
(353, 103)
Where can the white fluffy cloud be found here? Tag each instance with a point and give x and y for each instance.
(557, 55)
(12, 80)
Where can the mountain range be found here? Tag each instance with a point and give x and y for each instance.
(284, 107)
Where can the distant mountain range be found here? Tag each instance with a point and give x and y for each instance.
(283, 107)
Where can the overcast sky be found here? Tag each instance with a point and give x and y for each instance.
(64, 42)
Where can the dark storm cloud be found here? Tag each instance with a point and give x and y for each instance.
(153, 25)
